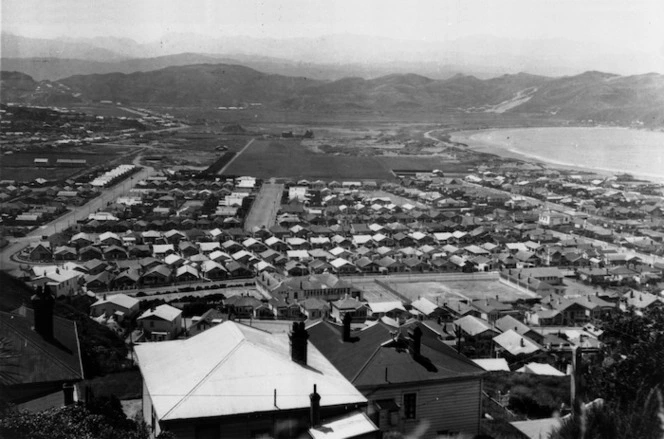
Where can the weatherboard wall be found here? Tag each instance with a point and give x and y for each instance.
(452, 406)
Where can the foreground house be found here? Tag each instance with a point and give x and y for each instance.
(416, 384)
(244, 383)
(48, 356)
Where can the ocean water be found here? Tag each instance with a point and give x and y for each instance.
(614, 150)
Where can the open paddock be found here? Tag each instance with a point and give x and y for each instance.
(375, 293)
(104, 110)
(285, 158)
(21, 166)
(451, 291)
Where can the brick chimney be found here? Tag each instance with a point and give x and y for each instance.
(298, 343)
(415, 342)
(314, 408)
(42, 303)
(346, 328)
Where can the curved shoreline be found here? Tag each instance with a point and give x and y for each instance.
(469, 138)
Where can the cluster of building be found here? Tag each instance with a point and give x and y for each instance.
(353, 364)
(25, 126)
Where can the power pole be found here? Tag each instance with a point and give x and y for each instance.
(575, 382)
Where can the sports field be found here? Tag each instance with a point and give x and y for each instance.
(452, 291)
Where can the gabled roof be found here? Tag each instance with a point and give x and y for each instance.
(118, 299)
(516, 344)
(364, 360)
(473, 326)
(229, 375)
(163, 312)
(425, 306)
(508, 322)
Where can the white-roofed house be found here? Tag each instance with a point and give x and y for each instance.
(161, 250)
(229, 392)
(120, 306)
(393, 309)
(342, 266)
(213, 270)
(512, 345)
(62, 282)
(161, 323)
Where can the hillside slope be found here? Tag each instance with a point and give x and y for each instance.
(590, 96)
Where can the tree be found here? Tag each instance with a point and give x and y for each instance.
(102, 419)
(629, 376)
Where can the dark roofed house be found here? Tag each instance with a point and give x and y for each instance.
(41, 252)
(48, 355)
(90, 252)
(409, 376)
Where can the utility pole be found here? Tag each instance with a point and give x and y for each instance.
(575, 382)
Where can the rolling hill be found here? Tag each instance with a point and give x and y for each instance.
(591, 95)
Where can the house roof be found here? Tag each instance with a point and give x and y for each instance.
(508, 322)
(164, 312)
(473, 326)
(364, 360)
(425, 306)
(492, 364)
(540, 369)
(516, 344)
(379, 307)
(230, 376)
(39, 360)
(118, 299)
(350, 425)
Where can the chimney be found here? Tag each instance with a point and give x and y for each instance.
(523, 343)
(298, 343)
(42, 303)
(68, 393)
(346, 329)
(415, 342)
(314, 408)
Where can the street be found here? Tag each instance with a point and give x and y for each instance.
(66, 220)
(266, 205)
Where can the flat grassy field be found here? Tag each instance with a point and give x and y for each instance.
(20, 165)
(374, 293)
(286, 158)
(104, 110)
(453, 291)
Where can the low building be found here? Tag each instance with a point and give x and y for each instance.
(324, 286)
(244, 383)
(119, 306)
(416, 385)
(161, 323)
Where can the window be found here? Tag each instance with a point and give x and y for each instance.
(151, 324)
(409, 405)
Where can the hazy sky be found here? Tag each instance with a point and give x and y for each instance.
(637, 24)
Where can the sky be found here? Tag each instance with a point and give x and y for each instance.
(607, 26)
(629, 23)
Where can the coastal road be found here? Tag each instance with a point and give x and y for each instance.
(263, 212)
(80, 212)
(221, 172)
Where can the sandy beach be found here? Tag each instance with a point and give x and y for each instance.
(600, 150)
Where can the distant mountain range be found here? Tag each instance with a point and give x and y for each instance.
(591, 95)
(325, 57)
